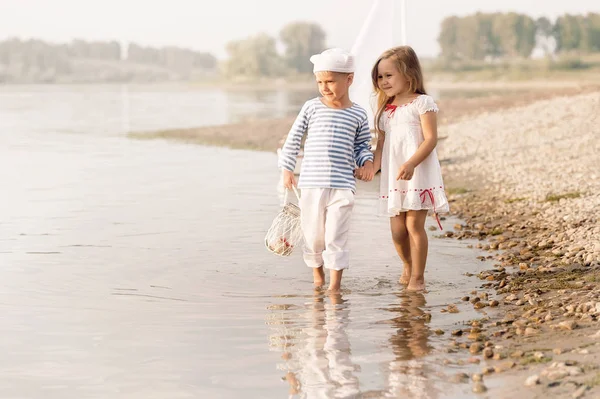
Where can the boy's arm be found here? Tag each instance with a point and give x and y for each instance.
(362, 144)
(289, 151)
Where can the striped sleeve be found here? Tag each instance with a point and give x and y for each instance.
(289, 152)
(362, 144)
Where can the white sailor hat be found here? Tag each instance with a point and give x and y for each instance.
(333, 60)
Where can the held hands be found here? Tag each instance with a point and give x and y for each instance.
(406, 171)
(366, 172)
(289, 179)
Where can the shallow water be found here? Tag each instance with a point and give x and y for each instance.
(137, 270)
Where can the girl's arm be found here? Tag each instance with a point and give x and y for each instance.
(378, 152)
(429, 126)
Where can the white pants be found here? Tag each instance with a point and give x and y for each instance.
(325, 220)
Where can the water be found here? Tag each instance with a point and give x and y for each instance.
(136, 269)
(113, 109)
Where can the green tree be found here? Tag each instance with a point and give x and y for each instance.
(525, 30)
(567, 32)
(505, 29)
(585, 32)
(471, 37)
(589, 28)
(95, 50)
(594, 26)
(467, 38)
(544, 34)
(253, 57)
(544, 27)
(484, 35)
(448, 38)
(301, 40)
(488, 42)
(515, 34)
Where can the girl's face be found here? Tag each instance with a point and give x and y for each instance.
(390, 80)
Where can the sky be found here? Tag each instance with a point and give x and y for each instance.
(208, 25)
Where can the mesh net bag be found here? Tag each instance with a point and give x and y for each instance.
(285, 232)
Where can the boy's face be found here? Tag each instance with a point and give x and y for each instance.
(389, 78)
(334, 85)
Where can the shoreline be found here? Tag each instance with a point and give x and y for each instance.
(267, 134)
(441, 83)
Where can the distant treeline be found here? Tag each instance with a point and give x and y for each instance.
(27, 61)
(506, 35)
(482, 39)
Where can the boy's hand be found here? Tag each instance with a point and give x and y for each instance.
(358, 173)
(406, 171)
(367, 172)
(289, 179)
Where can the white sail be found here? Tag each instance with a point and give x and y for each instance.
(385, 27)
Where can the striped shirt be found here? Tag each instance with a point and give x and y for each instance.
(337, 141)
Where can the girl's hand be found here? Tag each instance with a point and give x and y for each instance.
(406, 171)
(288, 179)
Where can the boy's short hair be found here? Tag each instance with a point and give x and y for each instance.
(337, 73)
(333, 60)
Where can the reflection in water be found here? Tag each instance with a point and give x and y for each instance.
(125, 113)
(408, 373)
(285, 338)
(300, 96)
(317, 357)
(266, 104)
(317, 352)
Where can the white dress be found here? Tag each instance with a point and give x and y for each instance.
(403, 135)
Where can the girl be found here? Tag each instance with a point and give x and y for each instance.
(411, 179)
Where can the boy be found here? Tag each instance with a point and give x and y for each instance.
(338, 139)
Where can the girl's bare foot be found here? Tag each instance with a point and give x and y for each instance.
(318, 276)
(294, 383)
(334, 286)
(335, 280)
(416, 284)
(405, 278)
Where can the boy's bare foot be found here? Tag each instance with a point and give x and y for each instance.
(405, 278)
(318, 276)
(335, 280)
(336, 298)
(334, 289)
(416, 284)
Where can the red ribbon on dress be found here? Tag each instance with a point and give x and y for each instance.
(391, 108)
(432, 199)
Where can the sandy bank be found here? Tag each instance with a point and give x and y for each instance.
(532, 197)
